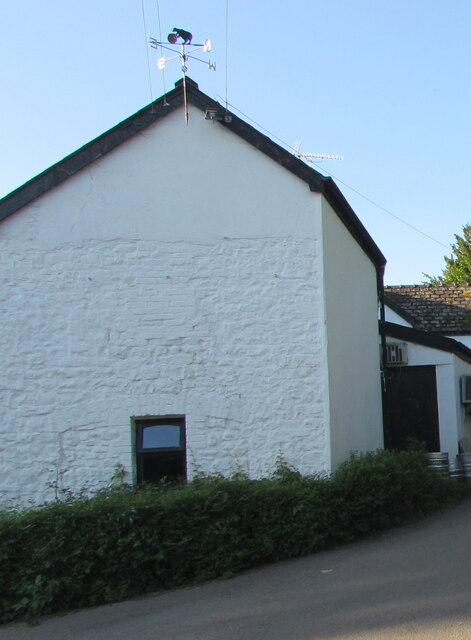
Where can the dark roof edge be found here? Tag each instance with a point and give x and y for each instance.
(258, 140)
(316, 181)
(456, 332)
(90, 152)
(428, 340)
(126, 129)
(350, 219)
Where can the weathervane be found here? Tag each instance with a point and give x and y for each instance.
(183, 55)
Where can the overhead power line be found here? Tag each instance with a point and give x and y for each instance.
(293, 150)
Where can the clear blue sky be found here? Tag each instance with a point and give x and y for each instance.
(384, 84)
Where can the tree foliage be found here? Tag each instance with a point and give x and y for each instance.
(458, 265)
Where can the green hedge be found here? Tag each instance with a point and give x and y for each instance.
(125, 542)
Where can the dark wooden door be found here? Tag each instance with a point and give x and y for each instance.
(411, 408)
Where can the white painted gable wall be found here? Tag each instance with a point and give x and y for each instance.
(180, 274)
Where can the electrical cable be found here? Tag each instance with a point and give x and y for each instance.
(291, 148)
(227, 46)
(160, 40)
(147, 53)
(390, 212)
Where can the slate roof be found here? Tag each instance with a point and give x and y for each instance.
(158, 109)
(436, 308)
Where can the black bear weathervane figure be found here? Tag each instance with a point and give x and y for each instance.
(186, 36)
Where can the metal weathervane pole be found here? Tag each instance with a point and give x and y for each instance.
(183, 55)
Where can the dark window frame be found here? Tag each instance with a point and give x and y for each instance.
(143, 455)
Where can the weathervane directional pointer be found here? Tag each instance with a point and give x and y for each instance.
(183, 54)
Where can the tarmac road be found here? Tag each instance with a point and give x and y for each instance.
(413, 582)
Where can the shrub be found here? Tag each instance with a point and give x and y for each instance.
(125, 541)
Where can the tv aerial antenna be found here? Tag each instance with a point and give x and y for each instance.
(310, 158)
(183, 54)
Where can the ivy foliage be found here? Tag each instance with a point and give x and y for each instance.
(124, 542)
(458, 265)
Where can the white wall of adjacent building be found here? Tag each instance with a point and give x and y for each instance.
(392, 316)
(454, 423)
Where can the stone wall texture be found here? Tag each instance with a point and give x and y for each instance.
(183, 273)
(227, 333)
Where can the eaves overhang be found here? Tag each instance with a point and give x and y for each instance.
(399, 332)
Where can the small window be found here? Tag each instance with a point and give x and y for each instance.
(160, 449)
